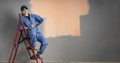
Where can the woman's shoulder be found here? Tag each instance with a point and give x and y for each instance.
(33, 14)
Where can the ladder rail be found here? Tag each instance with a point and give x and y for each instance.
(14, 44)
(17, 46)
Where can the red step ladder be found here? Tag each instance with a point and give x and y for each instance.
(19, 38)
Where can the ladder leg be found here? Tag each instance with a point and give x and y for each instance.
(26, 46)
(32, 52)
(13, 47)
(16, 49)
(36, 59)
(15, 53)
(41, 60)
(28, 40)
(11, 54)
(27, 49)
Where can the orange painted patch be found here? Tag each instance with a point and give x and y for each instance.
(62, 16)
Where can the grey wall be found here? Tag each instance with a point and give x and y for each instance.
(8, 20)
(99, 40)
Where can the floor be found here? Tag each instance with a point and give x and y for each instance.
(63, 62)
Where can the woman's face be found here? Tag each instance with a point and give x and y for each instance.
(25, 11)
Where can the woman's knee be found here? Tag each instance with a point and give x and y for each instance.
(45, 43)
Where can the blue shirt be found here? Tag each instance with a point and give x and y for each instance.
(28, 22)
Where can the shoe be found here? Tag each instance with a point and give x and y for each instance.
(40, 57)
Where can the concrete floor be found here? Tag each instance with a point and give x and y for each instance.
(62, 62)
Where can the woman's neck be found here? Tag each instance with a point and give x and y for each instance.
(26, 14)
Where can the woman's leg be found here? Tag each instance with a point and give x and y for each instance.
(43, 42)
(33, 40)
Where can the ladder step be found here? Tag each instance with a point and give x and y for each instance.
(29, 48)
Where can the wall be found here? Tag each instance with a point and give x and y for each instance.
(99, 40)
